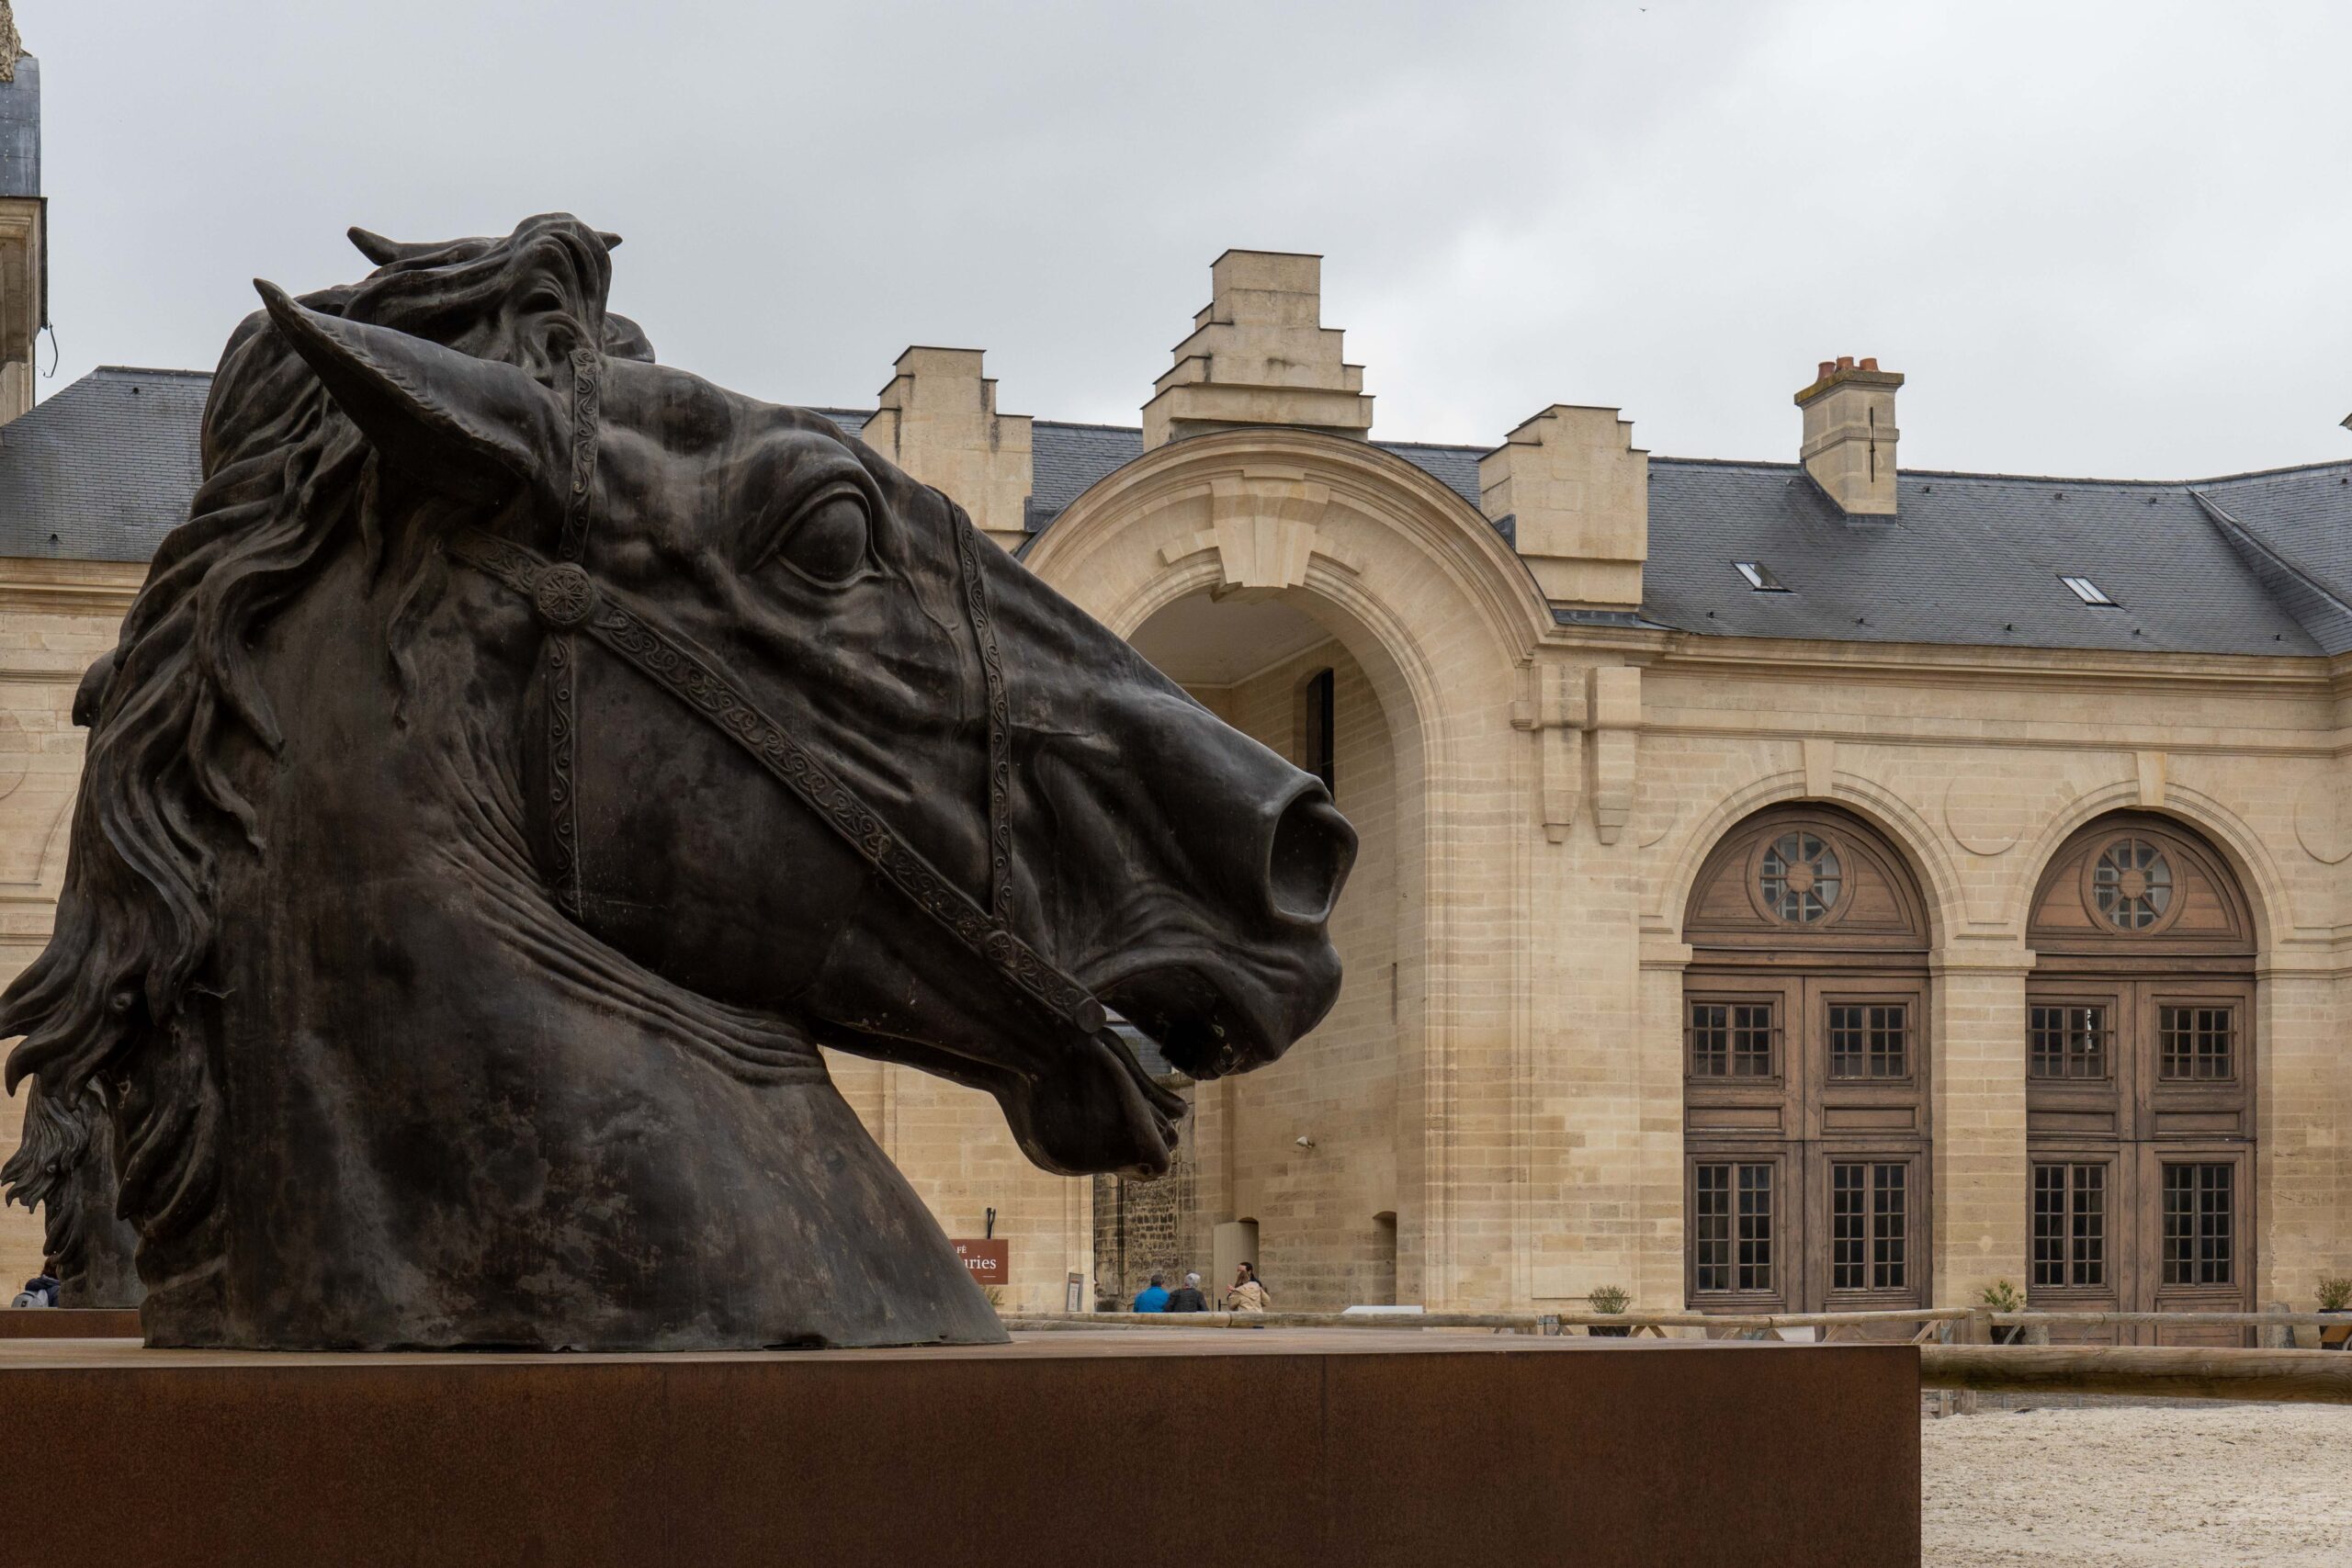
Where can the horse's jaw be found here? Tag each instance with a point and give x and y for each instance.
(1102, 1113)
(1077, 1105)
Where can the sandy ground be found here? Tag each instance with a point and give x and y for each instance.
(2187, 1486)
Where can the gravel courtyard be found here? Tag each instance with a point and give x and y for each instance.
(2182, 1486)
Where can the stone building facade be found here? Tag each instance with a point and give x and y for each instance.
(1798, 883)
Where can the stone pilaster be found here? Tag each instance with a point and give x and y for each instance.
(1977, 1058)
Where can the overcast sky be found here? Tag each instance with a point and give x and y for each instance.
(2099, 238)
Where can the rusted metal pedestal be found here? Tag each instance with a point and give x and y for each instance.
(1289, 1450)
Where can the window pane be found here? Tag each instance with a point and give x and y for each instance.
(1710, 1040)
(2070, 1224)
(2131, 884)
(2199, 1222)
(1870, 1041)
(1755, 1227)
(1711, 1228)
(2049, 1225)
(2215, 1224)
(1847, 1047)
(1848, 1227)
(1751, 1040)
(2197, 1044)
(2066, 1041)
(1800, 878)
(2088, 1258)
(2180, 1223)
(1890, 1229)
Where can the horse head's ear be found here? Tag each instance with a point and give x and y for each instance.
(376, 248)
(472, 428)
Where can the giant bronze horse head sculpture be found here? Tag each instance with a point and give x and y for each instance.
(522, 760)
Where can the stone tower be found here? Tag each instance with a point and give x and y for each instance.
(23, 221)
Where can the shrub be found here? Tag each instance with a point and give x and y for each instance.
(1609, 1297)
(2001, 1296)
(2334, 1292)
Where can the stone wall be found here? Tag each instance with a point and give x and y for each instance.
(55, 618)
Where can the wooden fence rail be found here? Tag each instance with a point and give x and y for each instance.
(2174, 1319)
(2320, 1377)
(1507, 1322)
(1536, 1322)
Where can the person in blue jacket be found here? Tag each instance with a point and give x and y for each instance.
(1152, 1297)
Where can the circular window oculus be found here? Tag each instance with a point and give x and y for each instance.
(2132, 885)
(1800, 878)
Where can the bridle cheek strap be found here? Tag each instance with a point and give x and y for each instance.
(568, 602)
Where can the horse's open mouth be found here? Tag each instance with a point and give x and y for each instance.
(1206, 1029)
(1167, 1106)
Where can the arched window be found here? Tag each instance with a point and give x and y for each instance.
(1805, 1070)
(2139, 1068)
(1319, 729)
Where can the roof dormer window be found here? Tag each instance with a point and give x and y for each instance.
(1760, 577)
(2089, 592)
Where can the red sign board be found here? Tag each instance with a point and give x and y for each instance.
(989, 1261)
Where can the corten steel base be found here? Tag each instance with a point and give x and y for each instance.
(70, 1323)
(1292, 1450)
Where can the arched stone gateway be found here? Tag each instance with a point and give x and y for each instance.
(1250, 565)
(2139, 1077)
(1807, 1070)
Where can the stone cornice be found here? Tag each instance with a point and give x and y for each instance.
(40, 586)
(1807, 660)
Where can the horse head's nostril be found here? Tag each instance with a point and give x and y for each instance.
(1308, 858)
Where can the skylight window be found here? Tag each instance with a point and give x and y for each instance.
(1760, 577)
(2089, 592)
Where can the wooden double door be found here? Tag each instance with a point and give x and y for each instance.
(2139, 1051)
(1806, 1185)
(2139, 1150)
(1807, 1062)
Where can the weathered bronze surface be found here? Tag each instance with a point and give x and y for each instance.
(1348, 1448)
(523, 758)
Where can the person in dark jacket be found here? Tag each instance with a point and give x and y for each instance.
(1187, 1297)
(40, 1291)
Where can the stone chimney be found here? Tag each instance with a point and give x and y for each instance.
(1260, 355)
(1849, 434)
(937, 420)
(1575, 493)
(23, 220)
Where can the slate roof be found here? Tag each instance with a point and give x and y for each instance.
(104, 470)
(1972, 559)
(1065, 459)
(2247, 564)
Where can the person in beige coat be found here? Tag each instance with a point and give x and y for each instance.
(1248, 1292)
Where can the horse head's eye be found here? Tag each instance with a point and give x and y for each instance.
(827, 539)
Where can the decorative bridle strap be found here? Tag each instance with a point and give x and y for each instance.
(568, 600)
(560, 656)
(976, 611)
